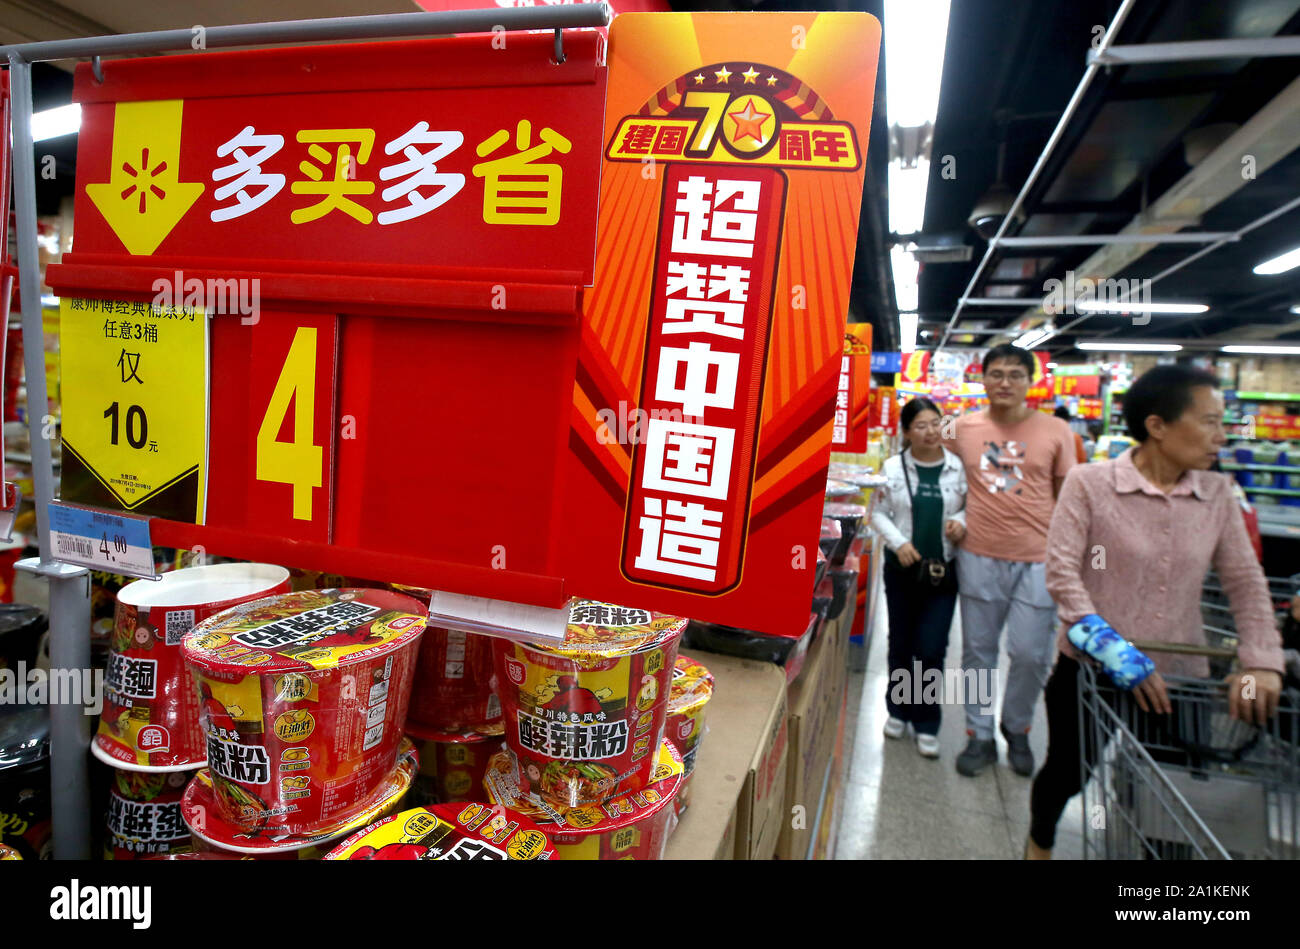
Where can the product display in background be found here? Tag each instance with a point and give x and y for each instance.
(448, 832)
(302, 700)
(634, 826)
(144, 814)
(452, 766)
(151, 711)
(691, 690)
(25, 780)
(585, 716)
(455, 686)
(201, 809)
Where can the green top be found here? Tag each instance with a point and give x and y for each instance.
(927, 511)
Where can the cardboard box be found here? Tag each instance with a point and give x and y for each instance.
(815, 700)
(762, 797)
(747, 696)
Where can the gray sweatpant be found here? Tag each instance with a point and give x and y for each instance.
(1011, 593)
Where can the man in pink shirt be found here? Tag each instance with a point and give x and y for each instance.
(1016, 459)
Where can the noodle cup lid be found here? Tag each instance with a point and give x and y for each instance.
(603, 629)
(211, 583)
(423, 733)
(200, 799)
(301, 632)
(502, 786)
(463, 831)
(692, 686)
(840, 489)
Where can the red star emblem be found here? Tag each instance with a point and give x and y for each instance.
(749, 122)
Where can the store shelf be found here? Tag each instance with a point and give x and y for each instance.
(1279, 521)
(1279, 469)
(1280, 492)
(1268, 396)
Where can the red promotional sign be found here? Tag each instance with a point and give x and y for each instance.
(729, 210)
(367, 222)
(853, 391)
(719, 236)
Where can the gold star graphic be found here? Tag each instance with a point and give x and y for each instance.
(749, 123)
(699, 78)
(723, 75)
(771, 80)
(750, 75)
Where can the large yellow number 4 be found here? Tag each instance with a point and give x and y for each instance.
(299, 462)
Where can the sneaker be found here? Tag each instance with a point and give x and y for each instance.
(928, 745)
(979, 754)
(1019, 753)
(895, 727)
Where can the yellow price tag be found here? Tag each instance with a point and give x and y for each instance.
(135, 407)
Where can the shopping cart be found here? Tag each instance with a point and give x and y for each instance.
(1192, 785)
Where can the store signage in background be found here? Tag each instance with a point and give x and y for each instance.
(853, 391)
(1089, 409)
(730, 196)
(916, 367)
(1041, 386)
(1277, 426)
(884, 410)
(363, 225)
(887, 362)
(1068, 385)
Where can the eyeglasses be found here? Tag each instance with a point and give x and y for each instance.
(1016, 377)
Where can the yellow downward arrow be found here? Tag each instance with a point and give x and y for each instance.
(144, 197)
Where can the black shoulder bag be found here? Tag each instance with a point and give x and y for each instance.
(931, 571)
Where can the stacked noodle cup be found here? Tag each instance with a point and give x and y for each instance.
(691, 690)
(149, 730)
(455, 716)
(302, 700)
(584, 726)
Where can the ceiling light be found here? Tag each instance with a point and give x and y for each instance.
(906, 271)
(1280, 264)
(1264, 350)
(907, 332)
(1035, 336)
(52, 123)
(916, 32)
(907, 196)
(1136, 306)
(1117, 347)
(1296, 309)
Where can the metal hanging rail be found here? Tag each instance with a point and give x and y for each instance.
(70, 585)
(1106, 55)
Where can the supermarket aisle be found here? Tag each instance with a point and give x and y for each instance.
(900, 806)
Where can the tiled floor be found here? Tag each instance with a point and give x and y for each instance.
(898, 805)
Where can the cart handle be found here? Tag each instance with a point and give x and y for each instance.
(1187, 649)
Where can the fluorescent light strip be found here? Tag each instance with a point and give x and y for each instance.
(907, 196)
(53, 123)
(916, 32)
(1104, 347)
(907, 332)
(1264, 350)
(1280, 264)
(1034, 337)
(1124, 306)
(906, 271)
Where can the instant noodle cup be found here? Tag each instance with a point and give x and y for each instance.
(150, 719)
(302, 699)
(584, 716)
(144, 814)
(452, 766)
(634, 826)
(449, 832)
(210, 833)
(9, 853)
(692, 688)
(454, 689)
